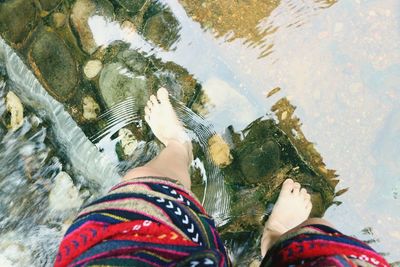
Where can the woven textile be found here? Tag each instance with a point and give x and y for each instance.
(143, 222)
(321, 246)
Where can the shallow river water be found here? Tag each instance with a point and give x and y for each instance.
(337, 62)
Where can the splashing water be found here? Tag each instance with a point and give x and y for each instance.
(31, 158)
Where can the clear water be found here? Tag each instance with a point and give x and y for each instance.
(338, 62)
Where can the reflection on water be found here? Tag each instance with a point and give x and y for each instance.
(341, 68)
(248, 20)
(337, 64)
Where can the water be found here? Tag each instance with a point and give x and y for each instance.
(338, 62)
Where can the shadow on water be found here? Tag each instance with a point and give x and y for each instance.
(216, 58)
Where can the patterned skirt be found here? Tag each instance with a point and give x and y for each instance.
(143, 222)
(321, 246)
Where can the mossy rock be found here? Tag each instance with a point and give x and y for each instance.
(263, 159)
(53, 64)
(17, 19)
(144, 73)
(49, 5)
(117, 83)
(131, 6)
(82, 10)
(161, 27)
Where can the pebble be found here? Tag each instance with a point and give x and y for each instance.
(92, 68)
(219, 151)
(90, 108)
(128, 141)
(64, 195)
(14, 106)
(284, 115)
(59, 20)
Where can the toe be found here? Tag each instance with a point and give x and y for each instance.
(149, 104)
(307, 197)
(153, 100)
(162, 94)
(303, 192)
(296, 188)
(147, 118)
(309, 206)
(147, 111)
(287, 186)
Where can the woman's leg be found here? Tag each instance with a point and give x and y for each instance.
(174, 160)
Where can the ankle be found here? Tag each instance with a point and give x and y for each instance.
(185, 147)
(269, 238)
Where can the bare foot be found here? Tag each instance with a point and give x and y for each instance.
(292, 208)
(164, 123)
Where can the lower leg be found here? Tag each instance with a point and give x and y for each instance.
(172, 162)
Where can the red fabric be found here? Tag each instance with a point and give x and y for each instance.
(91, 233)
(297, 251)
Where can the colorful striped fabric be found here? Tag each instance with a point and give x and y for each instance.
(321, 246)
(143, 222)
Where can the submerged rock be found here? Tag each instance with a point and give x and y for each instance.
(92, 68)
(59, 19)
(81, 12)
(259, 159)
(128, 72)
(90, 108)
(219, 151)
(53, 64)
(161, 26)
(16, 110)
(64, 195)
(132, 6)
(128, 141)
(182, 84)
(17, 19)
(264, 157)
(117, 83)
(49, 5)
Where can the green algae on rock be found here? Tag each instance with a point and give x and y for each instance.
(17, 19)
(117, 83)
(53, 64)
(265, 154)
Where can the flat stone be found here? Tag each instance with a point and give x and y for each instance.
(53, 64)
(162, 29)
(219, 151)
(92, 68)
(81, 12)
(117, 83)
(90, 108)
(15, 108)
(64, 195)
(17, 19)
